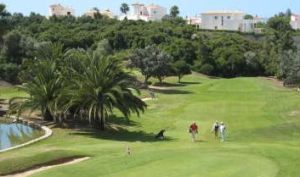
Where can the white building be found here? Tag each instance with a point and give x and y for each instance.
(107, 13)
(228, 21)
(150, 12)
(59, 10)
(295, 21)
(194, 20)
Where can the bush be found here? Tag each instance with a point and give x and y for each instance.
(206, 69)
(9, 72)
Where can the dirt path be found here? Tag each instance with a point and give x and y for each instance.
(147, 99)
(31, 172)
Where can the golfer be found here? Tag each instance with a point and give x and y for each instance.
(193, 131)
(222, 132)
(215, 129)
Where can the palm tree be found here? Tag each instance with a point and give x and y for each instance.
(174, 11)
(42, 92)
(124, 8)
(100, 88)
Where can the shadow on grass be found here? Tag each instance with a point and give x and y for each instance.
(190, 83)
(115, 120)
(120, 134)
(181, 84)
(165, 84)
(170, 91)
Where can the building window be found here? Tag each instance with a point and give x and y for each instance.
(228, 17)
(68, 13)
(141, 13)
(216, 17)
(216, 28)
(222, 21)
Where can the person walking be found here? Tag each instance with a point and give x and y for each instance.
(193, 131)
(222, 132)
(215, 129)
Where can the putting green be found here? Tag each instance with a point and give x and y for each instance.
(179, 163)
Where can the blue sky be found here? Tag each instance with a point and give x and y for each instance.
(264, 8)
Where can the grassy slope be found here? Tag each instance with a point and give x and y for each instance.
(263, 138)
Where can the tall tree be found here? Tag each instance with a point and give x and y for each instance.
(3, 21)
(181, 68)
(280, 37)
(124, 8)
(151, 61)
(16, 47)
(289, 13)
(100, 89)
(174, 11)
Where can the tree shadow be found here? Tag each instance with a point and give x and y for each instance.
(190, 83)
(2, 100)
(170, 91)
(120, 134)
(166, 84)
(115, 120)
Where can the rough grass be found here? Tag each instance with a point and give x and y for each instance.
(263, 137)
(9, 92)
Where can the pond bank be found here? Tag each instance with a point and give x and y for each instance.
(47, 133)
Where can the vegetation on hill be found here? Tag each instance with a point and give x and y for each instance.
(214, 53)
(47, 53)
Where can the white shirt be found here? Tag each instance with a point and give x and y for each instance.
(222, 128)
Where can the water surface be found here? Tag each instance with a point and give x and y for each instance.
(12, 134)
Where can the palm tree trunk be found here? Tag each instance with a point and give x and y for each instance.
(146, 79)
(47, 115)
(160, 80)
(179, 78)
(102, 119)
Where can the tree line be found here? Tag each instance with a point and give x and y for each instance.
(179, 48)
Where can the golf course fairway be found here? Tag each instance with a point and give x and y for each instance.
(263, 135)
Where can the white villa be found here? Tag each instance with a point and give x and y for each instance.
(194, 20)
(228, 21)
(295, 21)
(150, 12)
(107, 12)
(59, 10)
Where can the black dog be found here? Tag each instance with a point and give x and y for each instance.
(160, 135)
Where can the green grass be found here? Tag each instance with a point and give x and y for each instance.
(9, 92)
(263, 141)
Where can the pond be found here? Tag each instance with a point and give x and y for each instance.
(12, 134)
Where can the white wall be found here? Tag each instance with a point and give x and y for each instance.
(156, 13)
(295, 22)
(145, 13)
(222, 21)
(59, 10)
